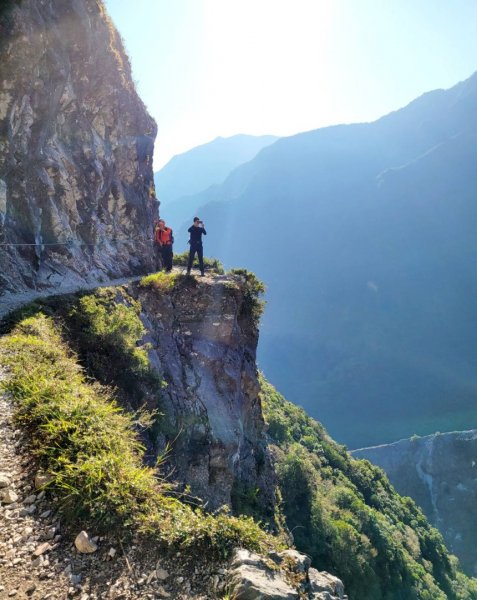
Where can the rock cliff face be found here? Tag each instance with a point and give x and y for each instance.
(76, 147)
(203, 343)
(440, 473)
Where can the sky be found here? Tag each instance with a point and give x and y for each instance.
(209, 68)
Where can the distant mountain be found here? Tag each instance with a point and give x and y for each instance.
(439, 473)
(186, 182)
(196, 170)
(366, 238)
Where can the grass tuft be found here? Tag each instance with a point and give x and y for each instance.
(161, 281)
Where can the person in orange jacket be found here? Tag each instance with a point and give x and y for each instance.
(164, 238)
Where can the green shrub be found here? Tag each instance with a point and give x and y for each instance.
(211, 264)
(160, 281)
(106, 331)
(253, 305)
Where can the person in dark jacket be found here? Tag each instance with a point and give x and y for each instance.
(196, 231)
(164, 239)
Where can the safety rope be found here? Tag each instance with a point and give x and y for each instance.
(76, 242)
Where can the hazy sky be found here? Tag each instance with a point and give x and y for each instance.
(208, 68)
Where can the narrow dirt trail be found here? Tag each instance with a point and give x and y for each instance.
(10, 302)
(30, 537)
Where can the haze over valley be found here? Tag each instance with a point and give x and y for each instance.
(364, 236)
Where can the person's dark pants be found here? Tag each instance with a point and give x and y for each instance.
(166, 252)
(200, 255)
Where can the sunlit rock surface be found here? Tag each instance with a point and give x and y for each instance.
(76, 145)
(203, 343)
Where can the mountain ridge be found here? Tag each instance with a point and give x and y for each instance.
(437, 471)
(205, 165)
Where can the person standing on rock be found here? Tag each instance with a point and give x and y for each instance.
(164, 238)
(196, 231)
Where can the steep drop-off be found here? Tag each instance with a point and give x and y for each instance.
(440, 473)
(76, 145)
(199, 337)
(347, 516)
(365, 237)
(203, 341)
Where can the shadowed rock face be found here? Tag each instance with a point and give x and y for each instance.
(439, 472)
(76, 146)
(204, 345)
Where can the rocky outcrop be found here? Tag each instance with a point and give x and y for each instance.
(76, 145)
(280, 576)
(203, 343)
(439, 472)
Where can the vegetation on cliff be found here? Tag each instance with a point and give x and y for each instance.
(90, 446)
(346, 515)
(211, 264)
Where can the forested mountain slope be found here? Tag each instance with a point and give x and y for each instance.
(346, 515)
(438, 472)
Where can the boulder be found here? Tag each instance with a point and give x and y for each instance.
(280, 576)
(297, 561)
(322, 583)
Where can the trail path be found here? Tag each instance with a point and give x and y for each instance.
(10, 302)
(37, 557)
(26, 523)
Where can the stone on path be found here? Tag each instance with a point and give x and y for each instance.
(84, 543)
(42, 479)
(42, 548)
(9, 497)
(161, 574)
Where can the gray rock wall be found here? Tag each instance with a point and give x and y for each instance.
(76, 146)
(203, 343)
(440, 473)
